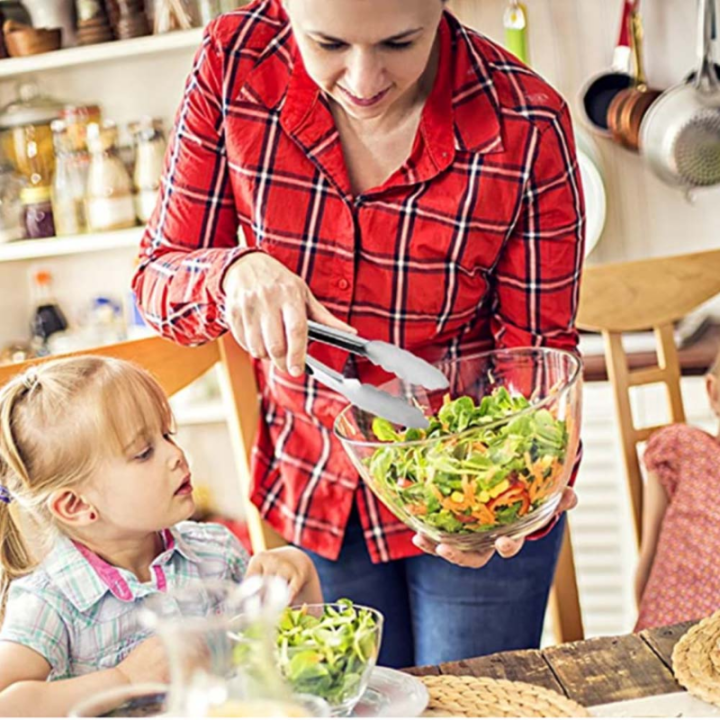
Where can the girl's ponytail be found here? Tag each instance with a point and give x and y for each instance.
(15, 558)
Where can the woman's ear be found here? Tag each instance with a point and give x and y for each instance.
(72, 509)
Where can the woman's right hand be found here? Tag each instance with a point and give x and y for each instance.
(147, 662)
(267, 309)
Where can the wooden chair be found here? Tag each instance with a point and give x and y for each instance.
(643, 295)
(175, 367)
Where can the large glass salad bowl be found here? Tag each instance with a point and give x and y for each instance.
(496, 456)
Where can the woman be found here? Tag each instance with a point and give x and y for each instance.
(392, 171)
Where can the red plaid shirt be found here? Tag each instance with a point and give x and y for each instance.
(476, 241)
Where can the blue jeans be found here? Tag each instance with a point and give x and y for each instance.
(437, 612)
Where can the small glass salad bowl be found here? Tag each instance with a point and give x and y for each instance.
(329, 650)
(496, 456)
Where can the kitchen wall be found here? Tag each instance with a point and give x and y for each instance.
(570, 40)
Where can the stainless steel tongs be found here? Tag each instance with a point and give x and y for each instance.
(390, 357)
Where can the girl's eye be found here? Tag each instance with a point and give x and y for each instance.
(169, 434)
(145, 454)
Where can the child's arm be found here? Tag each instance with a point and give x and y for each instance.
(294, 566)
(25, 692)
(655, 501)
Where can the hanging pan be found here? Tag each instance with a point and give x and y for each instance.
(599, 91)
(680, 134)
(629, 106)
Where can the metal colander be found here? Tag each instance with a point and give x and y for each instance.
(697, 149)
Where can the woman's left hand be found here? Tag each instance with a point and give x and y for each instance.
(505, 546)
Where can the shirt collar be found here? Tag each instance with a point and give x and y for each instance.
(84, 577)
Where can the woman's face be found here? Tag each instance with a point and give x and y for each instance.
(365, 54)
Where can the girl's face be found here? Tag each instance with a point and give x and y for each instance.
(148, 489)
(365, 54)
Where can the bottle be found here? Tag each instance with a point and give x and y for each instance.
(48, 317)
(109, 201)
(69, 181)
(150, 143)
(12, 225)
(37, 211)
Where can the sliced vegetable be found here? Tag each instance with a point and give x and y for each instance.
(474, 472)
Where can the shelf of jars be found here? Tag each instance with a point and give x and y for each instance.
(20, 250)
(102, 52)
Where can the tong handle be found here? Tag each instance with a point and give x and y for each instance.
(336, 338)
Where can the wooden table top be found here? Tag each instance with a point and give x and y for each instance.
(591, 672)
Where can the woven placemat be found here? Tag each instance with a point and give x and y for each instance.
(467, 696)
(696, 659)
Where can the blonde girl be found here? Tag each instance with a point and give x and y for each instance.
(95, 496)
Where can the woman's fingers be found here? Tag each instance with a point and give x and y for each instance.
(425, 544)
(464, 558)
(295, 321)
(508, 547)
(318, 312)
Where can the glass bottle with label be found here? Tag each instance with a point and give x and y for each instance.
(150, 143)
(48, 318)
(11, 210)
(109, 202)
(68, 189)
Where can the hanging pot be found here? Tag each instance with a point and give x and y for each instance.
(629, 106)
(680, 135)
(599, 91)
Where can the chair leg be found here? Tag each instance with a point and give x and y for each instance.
(564, 597)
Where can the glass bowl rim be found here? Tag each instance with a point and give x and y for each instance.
(533, 407)
(355, 606)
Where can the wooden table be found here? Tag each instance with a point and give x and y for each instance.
(591, 672)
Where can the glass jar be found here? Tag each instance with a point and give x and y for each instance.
(109, 200)
(37, 212)
(150, 155)
(170, 15)
(220, 640)
(12, 224)
(25, 133)
(69, 183)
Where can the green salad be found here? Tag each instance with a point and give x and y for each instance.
(327, 655)
(477, 473)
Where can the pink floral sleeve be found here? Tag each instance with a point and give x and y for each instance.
(662, 456)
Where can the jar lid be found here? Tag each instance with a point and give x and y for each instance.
(32, 195)
(80, 112)
(31, 107)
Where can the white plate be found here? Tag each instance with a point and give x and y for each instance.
(680, 704)
(391, 693)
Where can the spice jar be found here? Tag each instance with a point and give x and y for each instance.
(150, 143)
(37, 212)
(109, 202)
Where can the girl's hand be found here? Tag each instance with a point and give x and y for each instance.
(148, 662)
(505, 546)
(267, 309)
(293, 566)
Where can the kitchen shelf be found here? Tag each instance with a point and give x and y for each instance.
(69, 245)
(102, 52)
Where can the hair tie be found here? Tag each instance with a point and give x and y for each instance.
(5, 495)
(30, 379)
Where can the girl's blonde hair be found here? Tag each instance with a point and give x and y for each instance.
(58, 421)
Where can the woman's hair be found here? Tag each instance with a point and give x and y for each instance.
(58, 421)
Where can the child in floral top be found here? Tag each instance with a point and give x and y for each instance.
(677, 578)
(87, 450)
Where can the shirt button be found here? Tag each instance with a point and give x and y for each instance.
(343, 284)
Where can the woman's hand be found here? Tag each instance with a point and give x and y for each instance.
(147, 662)
(505, 546)
(267, 309)
(293, 566)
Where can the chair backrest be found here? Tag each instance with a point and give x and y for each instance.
(175, 367)
(640, 295)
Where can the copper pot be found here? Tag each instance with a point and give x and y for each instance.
(629, 106)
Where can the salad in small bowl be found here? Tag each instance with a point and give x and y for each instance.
(329, 650)
(497, 454)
